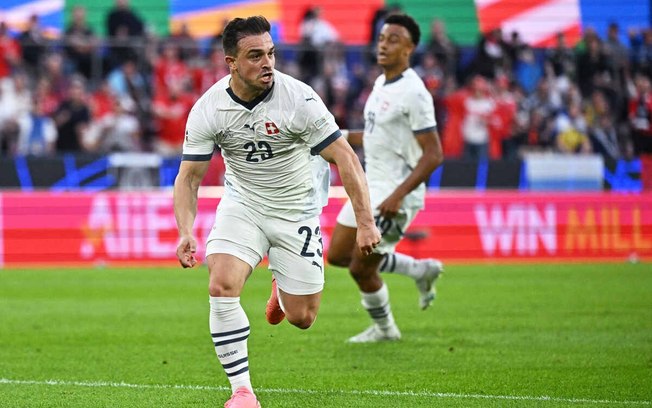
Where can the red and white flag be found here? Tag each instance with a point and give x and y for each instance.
(537, 21)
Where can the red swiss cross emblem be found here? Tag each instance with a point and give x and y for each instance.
(271, 128)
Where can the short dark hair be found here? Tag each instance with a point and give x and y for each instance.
(409, 24)
(238, 28)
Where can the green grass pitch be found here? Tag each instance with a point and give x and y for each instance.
(497, 336)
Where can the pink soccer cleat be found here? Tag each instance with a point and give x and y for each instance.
(242, 398)
(273, 312)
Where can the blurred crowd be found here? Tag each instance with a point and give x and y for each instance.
(132, 90)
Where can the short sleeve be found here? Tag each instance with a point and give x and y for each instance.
(313, 123)
(421, 110)
(199, 139)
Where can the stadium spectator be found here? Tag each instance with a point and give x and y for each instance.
(443, 48)
(640, 43)
(33, 43)
(594, 68)
(490, 57)
(72, 118)
(205, 75)
(126, 31)
(184, 42)
(640, 115)
(513, 49)
(122, 15)
(8, 125)
(122, 48)
(15, 103)
(316, 33)
(402, 149)
(604, 138)
(128, 82)
(101, 101)
(504, 141)
(38, 134)
(562, 58)
(116, 131)
(170, 110)
(169, 68)
(10, 52)
(479, 105)
(18, 93)
(431, 73)
(81, 44)
(527, 70)
(571, 133)
(618, 53)
(53, 71)
(266, 124)
(542, 106)
(45, 94)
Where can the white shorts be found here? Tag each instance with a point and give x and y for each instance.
(294, 248)
(391, 230)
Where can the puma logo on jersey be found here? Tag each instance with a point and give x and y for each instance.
(252, 128)
(312, 98)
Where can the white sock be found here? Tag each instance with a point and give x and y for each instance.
(401, 264)
(377, 305)
(230, 330)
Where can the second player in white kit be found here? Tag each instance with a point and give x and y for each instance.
(401, 150)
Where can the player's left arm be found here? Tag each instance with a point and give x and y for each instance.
(432, 157)
(341, 154)
(317, 127)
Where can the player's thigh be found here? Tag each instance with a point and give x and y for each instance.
(295, 255)
(393, 229)
(237, 231)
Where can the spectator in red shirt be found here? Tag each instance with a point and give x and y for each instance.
(48, 98)
(503, 140)
(102, 101)
(171, 111)
(10, 52)
(640, 115)
(170, 69)
(205, 76)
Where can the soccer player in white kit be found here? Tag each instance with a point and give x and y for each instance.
(401, 149)
(268, 126)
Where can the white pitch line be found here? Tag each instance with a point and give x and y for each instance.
(421, 394)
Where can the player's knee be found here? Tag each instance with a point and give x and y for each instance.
(302, 320)
(222, 289)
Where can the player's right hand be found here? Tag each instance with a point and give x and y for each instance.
(367, 238)
(186, 251)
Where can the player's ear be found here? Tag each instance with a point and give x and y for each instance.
(230, 61)
(409, 49)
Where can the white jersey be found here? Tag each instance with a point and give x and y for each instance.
(267, 145)
(395, 112)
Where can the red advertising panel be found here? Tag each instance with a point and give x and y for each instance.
(53, 229)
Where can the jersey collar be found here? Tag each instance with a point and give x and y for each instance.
(395, 79)
(251, 104)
